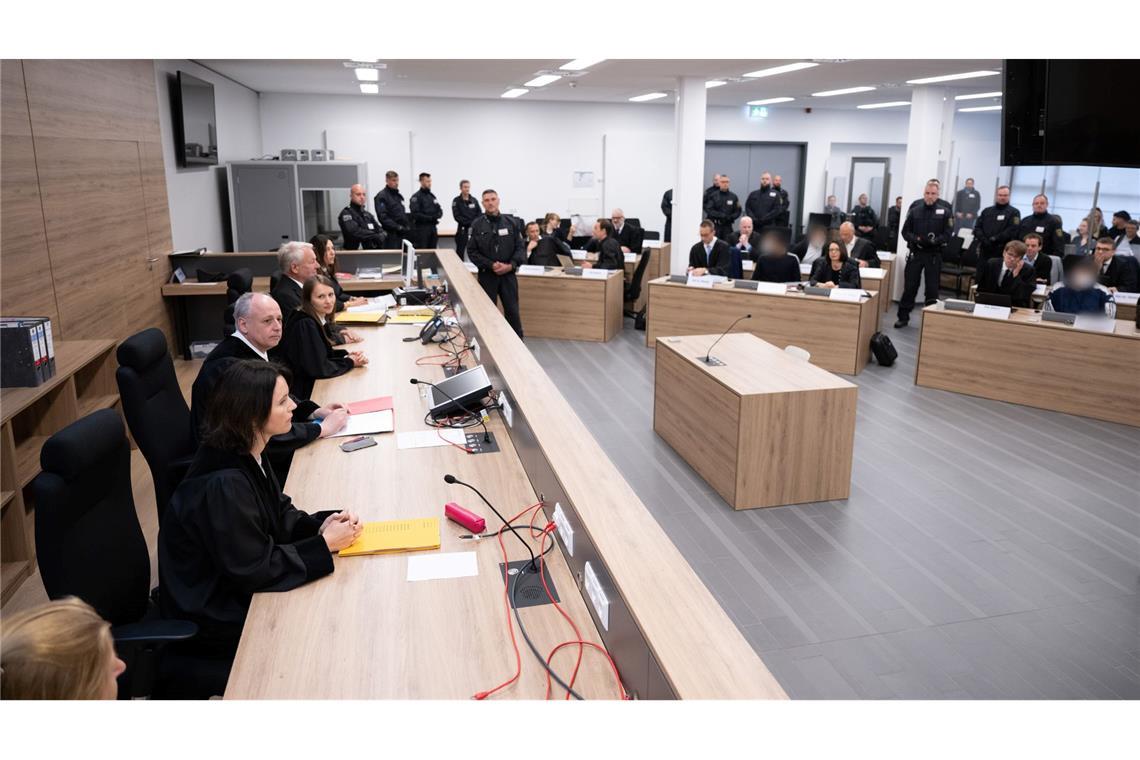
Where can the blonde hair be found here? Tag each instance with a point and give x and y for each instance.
(58, 650)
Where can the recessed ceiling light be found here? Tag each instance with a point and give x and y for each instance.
(514, 92)
(370, 89)
(581, 63)
(542, 80)
(978, 96)
(649, 96)
(980, 108)
(780, 69)
(844, 91)
(364, 60)
(954, 77)
(891, 104)
(367, 75)
(715, 83)
(769, 101)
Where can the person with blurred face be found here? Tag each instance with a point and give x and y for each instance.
(810, 247)
(1081, 294)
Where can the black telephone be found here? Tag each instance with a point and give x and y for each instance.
(431, 329)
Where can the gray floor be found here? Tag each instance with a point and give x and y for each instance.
(987, 551)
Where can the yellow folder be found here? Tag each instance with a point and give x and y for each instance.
(359, 317)
(392, 536)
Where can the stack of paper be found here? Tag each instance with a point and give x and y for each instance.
(365, 424)
(394, 536)
(379, 303)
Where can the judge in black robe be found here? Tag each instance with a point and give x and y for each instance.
(307, 352)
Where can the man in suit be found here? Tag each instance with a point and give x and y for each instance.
(359, 227)
(1010, 275)
(722, 207)
(747, 240)
(711, 255)
(1041, 264)
(1116, 273)
(624, 233)
(298, 262)
(861, 250)
(609, 251)
(390, 210)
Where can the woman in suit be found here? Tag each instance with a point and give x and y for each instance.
(307, 344)
(229, 531)
(835, 269)
(326, 265)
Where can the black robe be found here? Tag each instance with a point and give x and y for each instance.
(1019, 288)
(610, 255)
(846, 277)
(545, 254)
(308, 355)
(287, 294)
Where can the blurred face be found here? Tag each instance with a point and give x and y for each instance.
(847, 232)
(465, 188)
(1083, 228)
(707, 235)
(532, 232)
(863, 199)
(746, 226)
(816, 238)
(358, 194)
(280, 418)
(262, 326)
(1083, 278)
(323, 299)
(833, 251)
(1040, 204)
(831, 200)
(115, 668)
(1104, 252)
(425, 183)
(491, 203)
(392, 182)
(930, 194)
(1032, 247)
(1002, 196)
(765, 179)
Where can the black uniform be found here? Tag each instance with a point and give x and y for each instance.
(837, 216)
(464, 211)
(994, 227)
(390, 211)
(864, 216)
(764, 206)
(497, 238)
(304, 350)
(425, 214)
(360, 229)
(927, 230)
(667, 210)
(893, 222)
(1049, 228)
(966, 202)
(722, 208)
(785, 213)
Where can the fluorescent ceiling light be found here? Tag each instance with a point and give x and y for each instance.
(649, 96)
(844, 91)
(780, 69)
(365, 60)
(581, 63)
(367, 75)
(978, 96)
(891, 104)
(542, 80)
(769, 101)
(514, 92)
(370, 89)
(715, 83)
(980, 108)
(954, 77)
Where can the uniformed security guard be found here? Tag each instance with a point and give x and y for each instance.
(996, 225)
(864, 218)
(464, 210)
(359, 228)
(966, 205)
(764, 205)
(667, 210)
(425, 213)
(785, 213)
(722, 207)
(390, 210)
(496, 248)
(927, 230)
(1046, 225)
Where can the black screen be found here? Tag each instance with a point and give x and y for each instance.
(197, 126)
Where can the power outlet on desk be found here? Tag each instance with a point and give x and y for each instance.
(476, 444)
(530, 592)
(597, 597)
(458, 311)
(565, 532)
(505, 408)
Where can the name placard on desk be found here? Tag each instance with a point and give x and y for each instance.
(872, 273)
(990, 311)
(699, 282)
(595, 274)
(853, 295)
(771, 288)
(630, 258)
(532, 269)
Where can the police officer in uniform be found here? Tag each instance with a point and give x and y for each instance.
(864, 218)
(359, 228)
(722, 207)
(464, 210)
(966, 205)
(667, 210)
(496, 248)
(1046, 225)
(425, 213)
(390, 210)
(764, 205)
(785, 203)
(996, 225)
(927, 229)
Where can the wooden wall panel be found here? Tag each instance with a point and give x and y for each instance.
(92, 100)
(26, 287)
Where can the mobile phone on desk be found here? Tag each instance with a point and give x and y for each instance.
(355, 444)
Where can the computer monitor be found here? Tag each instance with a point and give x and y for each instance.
(462, 392)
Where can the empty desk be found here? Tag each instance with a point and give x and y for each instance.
(571, 307)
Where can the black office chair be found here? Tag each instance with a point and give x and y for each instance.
(274, 278)
(969, 263)
(156, 410)
(952, 263)
(240, 282)
(652, 235)
(89, 543)
(633, 290)
(633, 220)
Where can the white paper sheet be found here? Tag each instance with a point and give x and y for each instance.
(1095, 323)
(364, 424)
(431, 567)
(847, 294)
(532, 269)
(595, 274)
(989, 311)
(424, 438)
(379, 303)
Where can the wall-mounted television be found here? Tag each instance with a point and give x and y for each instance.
(195, 126)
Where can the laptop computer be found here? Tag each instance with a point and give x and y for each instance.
(994, 299)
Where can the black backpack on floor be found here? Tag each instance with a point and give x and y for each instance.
(883, 349)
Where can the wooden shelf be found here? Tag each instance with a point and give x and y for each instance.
(95, 403)
(11, 575)
(28, 459)
(70, 357)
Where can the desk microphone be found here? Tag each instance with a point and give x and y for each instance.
(451, 479)
(708, 358)
(479, 415)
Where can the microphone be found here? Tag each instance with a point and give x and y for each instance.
(707, 358)
(479, 415)
(451, 480)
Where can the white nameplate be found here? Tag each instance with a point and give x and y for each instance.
(578, 255)
(1041, 289)
(991, 312)
(1129, 299)
(872, 273)
(771, 288)
(805, 268)
(699, 282)
(846, 294)
(630, 257)
(1095, 323)
(532, 269)
(597, 596)
(748, 265)
(595, 274)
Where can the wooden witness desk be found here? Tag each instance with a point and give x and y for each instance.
(1025, 361)
(366, 632)
(765, 429)
(837, 333)
(569, 307)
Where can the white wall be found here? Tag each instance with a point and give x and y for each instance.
(199, 201)
(839, 165)
(977, 151)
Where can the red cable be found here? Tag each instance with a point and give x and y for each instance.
(439, 432)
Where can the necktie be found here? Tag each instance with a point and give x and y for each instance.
(1005, 280)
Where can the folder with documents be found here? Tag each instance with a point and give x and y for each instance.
(392, 536)
(361, 318)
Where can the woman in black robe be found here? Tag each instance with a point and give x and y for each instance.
(307, 345)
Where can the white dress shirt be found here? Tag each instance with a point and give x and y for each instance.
(254, 348)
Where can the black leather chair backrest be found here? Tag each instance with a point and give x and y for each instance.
(240, 282)
(953, 252)
(633, 289)
(155, 409)
(274, 278)
(652, 235)
(633, 220)
(88, 540)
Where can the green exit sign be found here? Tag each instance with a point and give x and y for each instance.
(757, 112)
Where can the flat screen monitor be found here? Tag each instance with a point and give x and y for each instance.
(196, 127)
(462, 392)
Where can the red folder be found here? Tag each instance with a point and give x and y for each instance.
(378, 404)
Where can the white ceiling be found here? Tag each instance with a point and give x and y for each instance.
(613, 81)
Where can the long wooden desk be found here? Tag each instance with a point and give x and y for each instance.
(765, 429)
(837, 333)
(1125, 305)
(366, 632)
(877, 280)
(569, 307)
(1025, 361)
